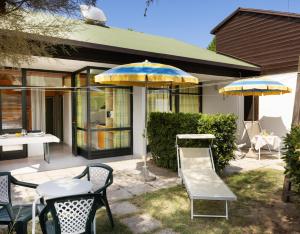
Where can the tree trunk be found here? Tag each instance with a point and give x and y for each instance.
(286, 191)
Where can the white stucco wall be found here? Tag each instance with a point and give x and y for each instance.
(138, 120)
(214, 103)
(67, 118)
(276, 112)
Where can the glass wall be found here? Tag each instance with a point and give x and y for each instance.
(183, 99)
(11, 118)
(104, 117)
(11, 99)
(189, 100)
(158, 100)
(36, 106)
(11, 102)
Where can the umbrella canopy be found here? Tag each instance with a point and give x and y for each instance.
(146, 74)
(255, 87)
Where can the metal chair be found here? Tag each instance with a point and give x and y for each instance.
(15, 216)
(69, 215)
(101, 176)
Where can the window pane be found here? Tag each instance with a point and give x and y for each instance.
(81, 108)
(104, 140)
(110, 108)
(47, 79)
(188, 103)
(10, 77)
(82, 139)
(158, 100)
(80, 79)
(11, 109)
(192, 90)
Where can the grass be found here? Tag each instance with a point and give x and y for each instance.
(258, 210)
(103, 225)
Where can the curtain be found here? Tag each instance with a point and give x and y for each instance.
(121, 117)
(158, 101)
(188, 103)
(38, 110)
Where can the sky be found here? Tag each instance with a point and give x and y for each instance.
(187, 20)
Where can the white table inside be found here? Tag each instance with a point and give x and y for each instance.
(260, 141)
(12, 139)
(60, 188)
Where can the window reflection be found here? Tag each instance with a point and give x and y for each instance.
(11, 109)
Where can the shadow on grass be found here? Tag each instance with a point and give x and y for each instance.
(103, 225)
(258, 210)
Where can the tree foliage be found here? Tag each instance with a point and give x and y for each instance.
(148, 3)
(212, 45)
(31, 27)
(292, 156)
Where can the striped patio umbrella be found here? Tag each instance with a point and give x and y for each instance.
(255, 87)
(146, 74)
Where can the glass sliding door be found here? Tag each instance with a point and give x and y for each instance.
(104, 118)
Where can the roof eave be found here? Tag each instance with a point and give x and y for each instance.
(252, 10)
(158, 55)
(224, 21)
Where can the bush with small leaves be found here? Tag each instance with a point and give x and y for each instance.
(163, 128)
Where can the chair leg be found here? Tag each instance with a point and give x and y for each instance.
(108, 211)
(21, 228)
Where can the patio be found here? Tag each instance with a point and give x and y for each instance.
(127, 185)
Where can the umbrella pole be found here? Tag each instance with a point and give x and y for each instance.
(253, 108)
(146, 173)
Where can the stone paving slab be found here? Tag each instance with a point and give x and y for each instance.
(141, 223)
(123, 208)
(118, 194)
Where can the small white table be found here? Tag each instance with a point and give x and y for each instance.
(12, 139)
(260, 141)
(60, 188)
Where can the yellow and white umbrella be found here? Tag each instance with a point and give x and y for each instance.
(255, 87)
(146, 74)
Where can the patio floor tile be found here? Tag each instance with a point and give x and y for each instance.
(123, 208)
(118, 194)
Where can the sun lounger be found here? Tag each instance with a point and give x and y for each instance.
(197, 171)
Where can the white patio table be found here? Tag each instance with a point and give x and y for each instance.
(260, 141)
(60, 188)
(31, 138)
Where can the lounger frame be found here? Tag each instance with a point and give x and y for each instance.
(201, 137)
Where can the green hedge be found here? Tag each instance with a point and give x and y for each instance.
(163, 128)
(292, 157)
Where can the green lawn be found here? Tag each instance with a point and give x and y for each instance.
(103, 225)
(258, 209)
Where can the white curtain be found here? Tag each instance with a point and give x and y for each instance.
(38, 110)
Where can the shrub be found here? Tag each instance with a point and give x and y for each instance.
(163, 128)
(292, 157)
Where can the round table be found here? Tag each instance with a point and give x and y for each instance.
(64, 187)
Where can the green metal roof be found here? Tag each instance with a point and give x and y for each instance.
(129, 39)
